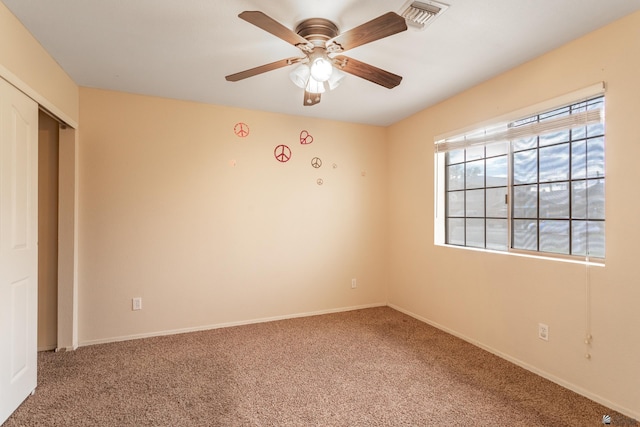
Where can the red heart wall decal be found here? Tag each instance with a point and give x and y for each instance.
(305, 138)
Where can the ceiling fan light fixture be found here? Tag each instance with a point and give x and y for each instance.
(302, 77)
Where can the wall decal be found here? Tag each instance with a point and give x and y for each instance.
(320, 181)
(232, 163)
(316, 162)
(305, 138)
(282, 153)
(335, 166)
(241, 130)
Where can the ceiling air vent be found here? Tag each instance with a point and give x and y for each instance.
(419, 14)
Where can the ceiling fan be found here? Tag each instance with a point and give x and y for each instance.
(322, 67)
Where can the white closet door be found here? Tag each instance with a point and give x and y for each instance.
(18, 247)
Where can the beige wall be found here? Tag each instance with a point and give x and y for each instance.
(497, 300)
(164, 215)
(26, 65)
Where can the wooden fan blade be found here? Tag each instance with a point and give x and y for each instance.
(383, 26)
(311, 98)
(367, 72)
(272, 26)
(262, 69)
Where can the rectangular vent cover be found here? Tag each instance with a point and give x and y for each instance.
(419, 14)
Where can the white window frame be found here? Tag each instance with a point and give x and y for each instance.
(496, 125)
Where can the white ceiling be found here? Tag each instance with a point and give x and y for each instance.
(183, 49)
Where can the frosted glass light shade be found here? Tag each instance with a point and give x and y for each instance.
(314, 86)
(321, 69)
(300, 75)
(336, 78)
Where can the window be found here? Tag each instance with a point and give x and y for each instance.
(532, 184)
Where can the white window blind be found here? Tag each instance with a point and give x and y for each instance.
(502, 132)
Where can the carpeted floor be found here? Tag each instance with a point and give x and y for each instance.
(374, 367)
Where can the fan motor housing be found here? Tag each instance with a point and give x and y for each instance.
(317, 30)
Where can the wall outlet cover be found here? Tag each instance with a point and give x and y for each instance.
(543, 331)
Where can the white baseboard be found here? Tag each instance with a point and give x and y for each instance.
(596, 398)
(226, 325)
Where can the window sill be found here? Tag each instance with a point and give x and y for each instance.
(571, 259)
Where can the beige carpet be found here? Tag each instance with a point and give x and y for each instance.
(374, 367)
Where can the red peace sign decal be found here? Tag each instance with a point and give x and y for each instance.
(241, 130)
(282, 153)
(305, 138)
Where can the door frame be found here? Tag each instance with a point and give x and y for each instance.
(68, 239)
(67, 213)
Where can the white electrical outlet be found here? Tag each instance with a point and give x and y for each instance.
(543, 331)
(354, 284)
(136, 303)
